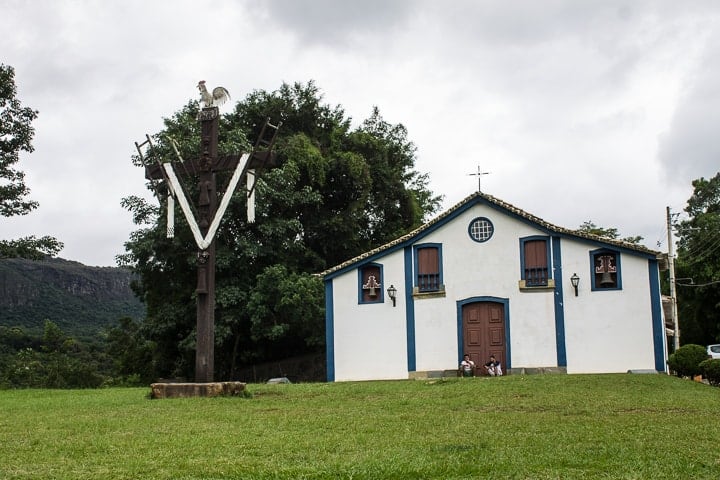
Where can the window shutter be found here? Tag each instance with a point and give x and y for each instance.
(536, 264)
(428, 269)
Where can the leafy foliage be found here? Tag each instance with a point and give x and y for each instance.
(711, 370)
(132, 355)
(30, 247)
(16, 133)
(51, 361)
(611, 233)
(686, 360)
(337, 193)
(698, 264)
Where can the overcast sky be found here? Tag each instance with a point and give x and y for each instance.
(580, 110)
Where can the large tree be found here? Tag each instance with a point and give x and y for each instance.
(698, 264)
(339, 191)
(16, 133)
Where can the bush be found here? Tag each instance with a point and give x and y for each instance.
(711, 370)
(685, 362)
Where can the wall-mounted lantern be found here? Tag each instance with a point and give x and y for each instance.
(392, 293)
(575, 280)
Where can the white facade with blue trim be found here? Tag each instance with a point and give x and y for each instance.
(488, 278)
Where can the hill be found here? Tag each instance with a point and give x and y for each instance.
(81, 300)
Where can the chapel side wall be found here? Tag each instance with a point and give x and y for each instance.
(488, 269)
(607, 331)
(370, 340)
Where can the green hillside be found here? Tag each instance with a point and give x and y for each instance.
(81, 300)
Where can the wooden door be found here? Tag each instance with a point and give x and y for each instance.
(484, 333)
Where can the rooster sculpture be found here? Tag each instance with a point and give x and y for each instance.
(219, 95)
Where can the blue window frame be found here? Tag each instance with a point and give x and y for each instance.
(535, 261)
(605, 271)
(428, 267)
(370, 283)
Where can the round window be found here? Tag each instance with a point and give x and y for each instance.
(481, 229)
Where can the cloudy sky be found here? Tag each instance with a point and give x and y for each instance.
(580, 110)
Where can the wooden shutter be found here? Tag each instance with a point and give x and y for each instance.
(536, 264)
(428, 269)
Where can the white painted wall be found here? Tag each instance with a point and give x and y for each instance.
(370, 339)
(605, 331)
(488, 269)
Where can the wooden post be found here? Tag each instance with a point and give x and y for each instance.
(207, 206)
(206, 167)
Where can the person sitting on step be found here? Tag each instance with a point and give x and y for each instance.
(493, 367)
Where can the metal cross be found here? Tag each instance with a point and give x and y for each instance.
(479, 174)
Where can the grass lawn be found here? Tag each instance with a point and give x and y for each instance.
(536, 427)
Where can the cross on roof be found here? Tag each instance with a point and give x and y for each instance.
(479, 174)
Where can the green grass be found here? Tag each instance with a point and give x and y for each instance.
(552, 426)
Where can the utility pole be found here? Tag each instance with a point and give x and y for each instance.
(673, 296)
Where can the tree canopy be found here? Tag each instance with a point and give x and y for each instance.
(698, 264)
(611, 233)
(16, 134)
(339, 191)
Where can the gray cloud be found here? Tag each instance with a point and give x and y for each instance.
(690, 149)
(548, 96)
(336, 23)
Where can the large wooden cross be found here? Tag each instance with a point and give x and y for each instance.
(205, 168)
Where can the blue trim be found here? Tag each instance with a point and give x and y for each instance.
(657, 321)
(547, 254)
(506, 311)
(618, 274)
(329, 332)
(410, 311)
(381, 281)
(420, 246)
(559, 304)
(462, 208)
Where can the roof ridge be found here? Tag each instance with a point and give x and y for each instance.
(502, 204)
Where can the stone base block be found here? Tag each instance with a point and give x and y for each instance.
(187, 390)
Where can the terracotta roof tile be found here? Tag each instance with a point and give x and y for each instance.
(499, 203)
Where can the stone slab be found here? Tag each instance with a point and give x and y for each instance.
(274, 381)
(190, 390)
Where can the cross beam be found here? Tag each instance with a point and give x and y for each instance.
(205, 168)
(258, 159)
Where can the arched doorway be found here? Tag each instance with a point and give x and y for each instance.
(483, 332)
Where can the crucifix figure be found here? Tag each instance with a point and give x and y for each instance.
(209, 216)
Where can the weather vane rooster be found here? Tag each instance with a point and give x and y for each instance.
(219, 95)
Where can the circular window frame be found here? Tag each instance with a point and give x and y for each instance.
(476, 236)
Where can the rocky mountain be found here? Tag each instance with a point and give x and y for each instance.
(81, 300)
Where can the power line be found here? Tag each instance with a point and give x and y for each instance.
(702, 251)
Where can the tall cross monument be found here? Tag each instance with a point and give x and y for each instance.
(205, 168)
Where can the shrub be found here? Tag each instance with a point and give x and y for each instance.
(685, 362)
(711, 370)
